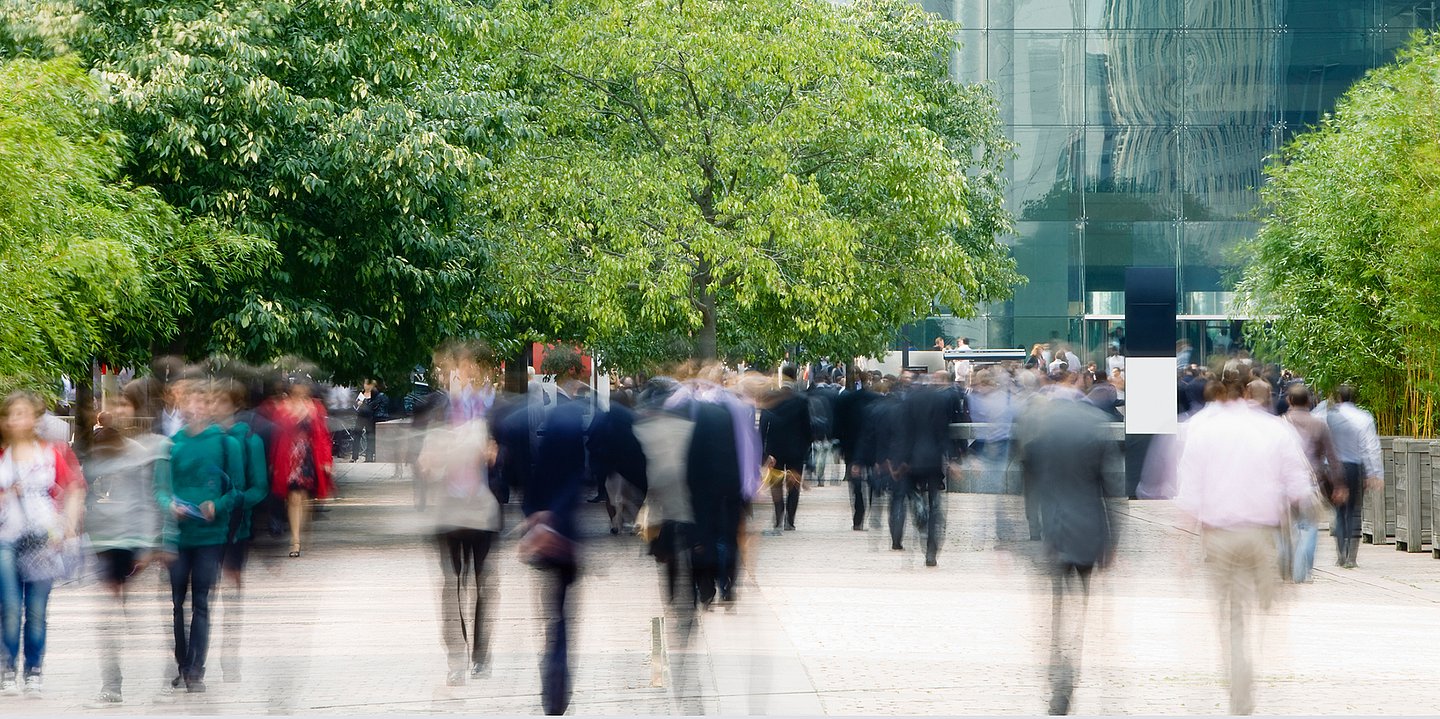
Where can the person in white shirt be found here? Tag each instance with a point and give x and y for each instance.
(1113, 361)
(1358, 445)
(1240, 471)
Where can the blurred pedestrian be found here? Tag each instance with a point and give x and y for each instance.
(456, 458)
(1358, 446)
(1327, 471)
(122, 521)
(1240, 471)
(197, 498)
(1063, 450)
(371, 407)
(785, 430)
(924, 456)
(301, 460)
(42, 497)
(852, 407)
(228, 400)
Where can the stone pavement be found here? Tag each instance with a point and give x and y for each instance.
(831, 622)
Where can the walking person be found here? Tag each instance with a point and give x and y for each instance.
(1062, 449)
(851, 413)
(123, 522)
(928, 412)
(42, 495)
(1240, 471)
(1298, 544)
(300, 459)
(456, 459)
(785, 432)
(551, 534)
(197, 498)
(1358, 446)
(371, 406)
(227, 401)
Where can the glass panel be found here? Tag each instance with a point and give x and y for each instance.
(1231, 78)
(1044, 177)
(1048, 253)
(1140, 82)
(1248, 15)
(1039, 77)
(970, 63)
(1110, 247)
(1208, 261)
(1039, 14)
(1314, 15)
(1405, 15)
(1222, 170)
(1138, 175)
(1135, 14)
(971, 14)
(1321, 67)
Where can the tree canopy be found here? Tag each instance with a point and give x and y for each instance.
(343, 132)
(1347, 262)
(741, 176)
(90, 265)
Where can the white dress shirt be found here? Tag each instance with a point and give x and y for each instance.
(1240, 467)
(1355, 438)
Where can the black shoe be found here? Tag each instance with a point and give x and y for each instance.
(930, 561)
(195, 686)
(789, 527)
(595, 499)
(858, 528)
(895, 546)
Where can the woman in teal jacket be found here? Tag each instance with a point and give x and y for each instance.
(204, 486)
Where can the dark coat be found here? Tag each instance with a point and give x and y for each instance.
(559, 470)
(926, 418)
(851, 410)
(1063, 450)
(785, 429)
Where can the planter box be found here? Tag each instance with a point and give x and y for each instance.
(1377, 515)
(1412, 493)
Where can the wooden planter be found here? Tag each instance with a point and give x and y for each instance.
(1377, 515)
(1413, 488)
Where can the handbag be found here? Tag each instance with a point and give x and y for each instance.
(37, 556)
(544, 547)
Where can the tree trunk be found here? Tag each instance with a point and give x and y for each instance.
(517, 379)
(84, 411)
(707, 344)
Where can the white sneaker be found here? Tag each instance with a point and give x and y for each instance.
(32, 686)
(8, 687)
(105, 700)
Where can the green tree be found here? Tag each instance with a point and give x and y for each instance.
(345, 132)
(1347, 262)
(90, 265)
(742, 176)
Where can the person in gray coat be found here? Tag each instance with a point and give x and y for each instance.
(1063, 450)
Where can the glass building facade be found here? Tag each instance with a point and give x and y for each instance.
(1142, 129)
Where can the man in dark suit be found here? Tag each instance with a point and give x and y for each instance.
(851, 408)
(1063, 450)
(785, 431)
(925, 452)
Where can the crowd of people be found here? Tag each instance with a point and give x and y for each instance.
(187, 464)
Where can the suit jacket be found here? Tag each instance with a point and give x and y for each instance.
(926, 418)
(1063, 449)
(851, 409)
(559, 470)
(785, 429)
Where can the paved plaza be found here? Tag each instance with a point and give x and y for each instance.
(831, 621)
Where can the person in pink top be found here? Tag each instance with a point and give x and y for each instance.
(1240, 472)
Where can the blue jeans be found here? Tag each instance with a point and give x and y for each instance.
(34, 597)
(1303, 538)
(195, 571)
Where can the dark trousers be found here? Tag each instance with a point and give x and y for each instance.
(859, 489)
(925, 488)
(1346, 528)
(555, 664)
(462, 596)
(785, 495)
(195, 571)
(364, 434)
(1067, 631)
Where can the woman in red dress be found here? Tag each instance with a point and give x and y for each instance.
(301, 460)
